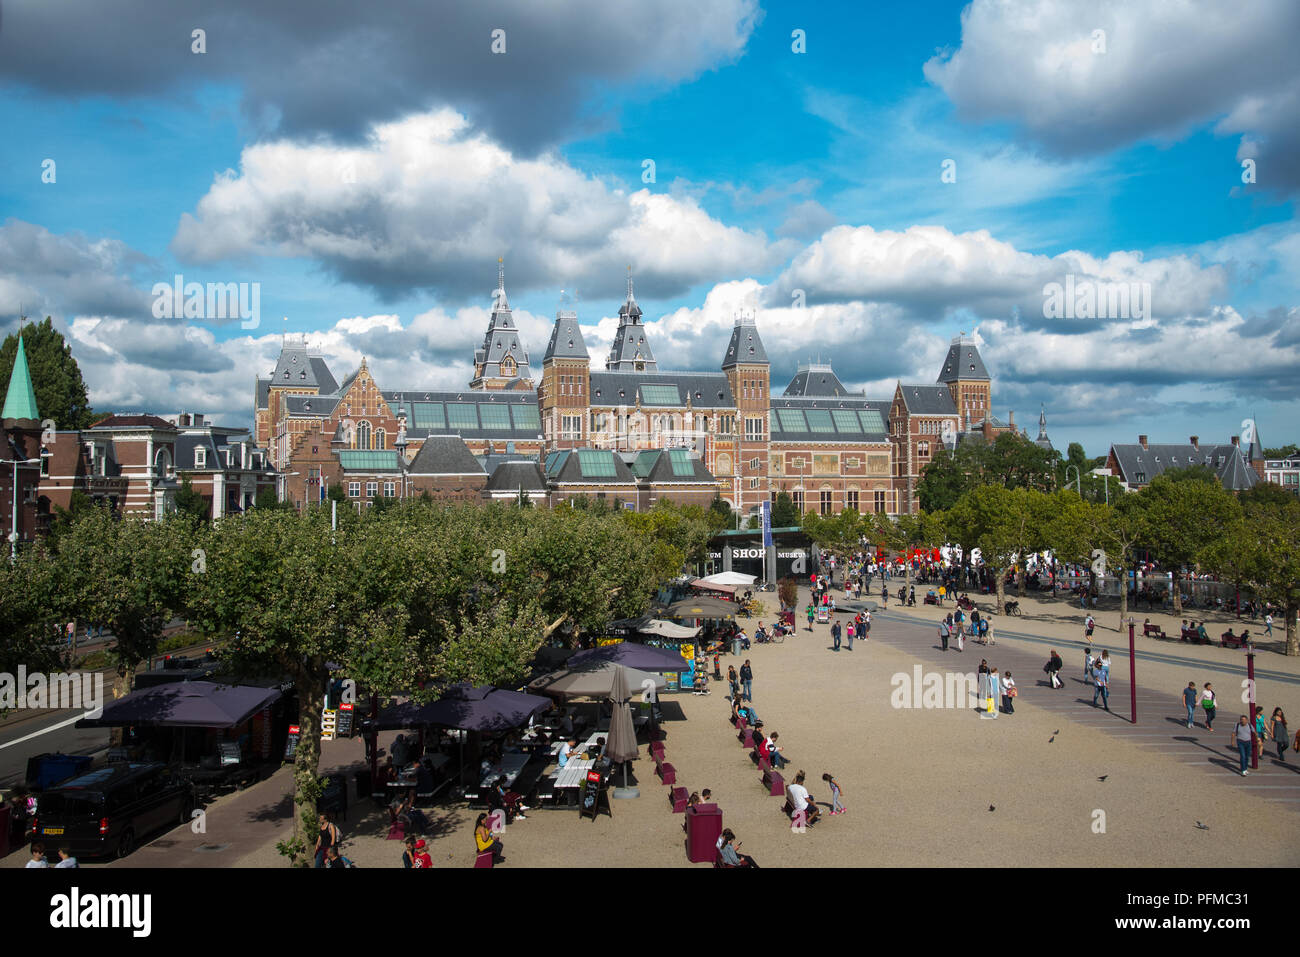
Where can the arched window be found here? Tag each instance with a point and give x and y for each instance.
(381, 439)
(363, 435)
(507, 365)
(922, 450)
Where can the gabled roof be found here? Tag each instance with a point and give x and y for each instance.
(927, 399)
(445, 455)
(805, 419)
(566, 338)
(671, 467)
(630, 347)
(963, 362)
(745, 345)
(587, 467)
(297, 369)
(815, 379)
(501, 340)
(1139, 466)
(707, 390)
(513, 476)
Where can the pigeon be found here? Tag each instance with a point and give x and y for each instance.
(1103, 777)
(1051, 739)
(1203, 827)
(1054, 733)
(992, 808)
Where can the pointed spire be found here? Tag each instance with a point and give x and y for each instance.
(630, 297)
(20, 400)
(1042, 422)
(500, 303)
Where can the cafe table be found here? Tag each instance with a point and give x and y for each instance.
(509, 767)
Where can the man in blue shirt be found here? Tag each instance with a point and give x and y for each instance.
(1101, 680)
(563, 756)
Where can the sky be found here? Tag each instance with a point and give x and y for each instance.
(867, 180)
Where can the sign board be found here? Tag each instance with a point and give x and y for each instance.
(343, 722)
(594, 797)
(767, 524)
(291, 745)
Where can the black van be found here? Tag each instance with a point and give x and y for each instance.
(106, 811)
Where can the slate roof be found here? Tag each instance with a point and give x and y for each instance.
(296, 369)
(630, 343)
(315, 405)
(513, 476)
(927, 399)
(707, 390)
(262, 396)
(745, 345)
(566, 338)
(963, 362)
(816, 379)
(501, 340)
(671, 467)
(587, 467)
(805, 419)
(1139, 466)
(134, 422)
(497, 414)
(444, 455)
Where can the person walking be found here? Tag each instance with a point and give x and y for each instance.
(884, 596)
(837, 807)
(1241, 738)
(1277, 728)
(944, 633)
(958, 634)
(1268, 626)
(865, 631)
(1208, 702)
(1008, 694)
(835, 635)
(809, 611)
(995, 685)
(1101, 680)
(1189, 701)
(1087, 665)
(849, 629)
(1053, 669)
(746, 679)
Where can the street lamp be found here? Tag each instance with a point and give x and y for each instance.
(1078, 479)
(13, 518)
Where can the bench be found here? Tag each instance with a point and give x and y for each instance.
(774, 783)
(746, 737)
(545, 790)
(657, 750)
(1152, 631)
(677, 797)
(1229, 640)
(484, 859)
(667, 773)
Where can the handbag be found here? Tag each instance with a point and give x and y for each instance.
(1013, 693)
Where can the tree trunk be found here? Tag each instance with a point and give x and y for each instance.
(309, 680)
(1123, 598)
(1022, 578)
(1000, 590)
(1292, 639)
(1176, 593)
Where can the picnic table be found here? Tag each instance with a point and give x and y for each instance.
(587, 745)
(508, 767)
(573, 775)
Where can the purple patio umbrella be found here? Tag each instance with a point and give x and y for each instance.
(632, 655)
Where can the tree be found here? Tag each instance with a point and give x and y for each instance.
(784, 514)
(719, 514)
(1261, 549)
(998, 522)
(1282, 451)
(942, 482)
(906, 533)
(335, 493)
(56, 377)
(268, 500)
(1191, 473)
(1265, 493)
(29, 612)
(1182, 516)
(78, 504)
(189, 503)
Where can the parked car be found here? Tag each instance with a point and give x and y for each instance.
(107, 811)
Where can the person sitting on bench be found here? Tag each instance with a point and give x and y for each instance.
(728, 852)
(512, 802)
(801, 800)
(1203, 636)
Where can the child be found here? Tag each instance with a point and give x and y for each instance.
(836, 793)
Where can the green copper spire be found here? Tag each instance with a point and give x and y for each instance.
(20, 401)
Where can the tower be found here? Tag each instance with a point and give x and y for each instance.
(20, 441)
(968, 380)
(564, 397)
(749, 375)
(630, 351)
(502, 361)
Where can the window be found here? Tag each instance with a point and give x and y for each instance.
(923, 450)
(381, 439)
(363, 436)
(797, 497)
(354, 490)
(851, 499)
(200, 458)
(754, 428)
(372, 489)
(880, 502)
(826, 501)
(852, 462)
(755, 464)
(571, 427)
(390, 489)
(496, 417)
(45, 463)
(753, 483)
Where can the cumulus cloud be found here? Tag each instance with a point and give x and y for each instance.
(1165, 70)
(430, 203)
(305, 67)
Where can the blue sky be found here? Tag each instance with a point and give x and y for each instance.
(367, 175)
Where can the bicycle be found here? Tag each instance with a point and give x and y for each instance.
(1012, 608)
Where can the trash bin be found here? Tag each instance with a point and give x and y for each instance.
(735, 647)
(703, 828)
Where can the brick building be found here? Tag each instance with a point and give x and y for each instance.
(829, 448)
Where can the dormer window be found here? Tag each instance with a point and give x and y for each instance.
(200, 458)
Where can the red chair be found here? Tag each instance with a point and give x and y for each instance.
(484, 859)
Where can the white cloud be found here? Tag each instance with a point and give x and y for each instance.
(430, 203)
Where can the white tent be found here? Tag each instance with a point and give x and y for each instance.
(730, 578)
(668, 629)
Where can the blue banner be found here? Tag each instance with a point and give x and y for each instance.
(767, 524)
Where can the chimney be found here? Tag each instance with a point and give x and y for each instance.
(1236, 440)
(198, 419)
(1196, 443)
(183, 420)
(1142, 441)
(1011, 419)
